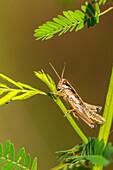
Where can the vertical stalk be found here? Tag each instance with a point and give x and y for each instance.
(108, 115)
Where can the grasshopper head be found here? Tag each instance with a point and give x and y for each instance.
(63, 83)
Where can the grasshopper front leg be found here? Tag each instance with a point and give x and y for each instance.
(58, 94)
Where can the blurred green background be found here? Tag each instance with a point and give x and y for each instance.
(37, 123)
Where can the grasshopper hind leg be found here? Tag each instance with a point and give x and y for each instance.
(83, 115)
(75, 115)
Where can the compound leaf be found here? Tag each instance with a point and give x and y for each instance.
(34, 165)
(28, 160)
(10, 81)
(69, 21)
(12, 152)
(7, 148)
(21, 159)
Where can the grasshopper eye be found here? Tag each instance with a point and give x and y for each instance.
(58, 89)
(65, 82)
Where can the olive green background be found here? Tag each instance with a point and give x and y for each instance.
(37, 123)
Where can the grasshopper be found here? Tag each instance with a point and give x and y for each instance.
(85, 111)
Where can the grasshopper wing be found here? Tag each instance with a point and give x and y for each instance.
(82, 114)
(94, 108)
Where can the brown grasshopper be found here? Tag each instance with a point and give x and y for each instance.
(85, 111)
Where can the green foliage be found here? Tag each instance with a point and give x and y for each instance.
(102, 2)
(70, 21)
(26, 88)
(23, 92)
(108, 113)
(47, 80)
(88, 15)
(99, 1)
(93, 153)
(22, 162)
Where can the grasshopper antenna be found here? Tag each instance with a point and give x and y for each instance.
(55, 71)
(63, 70)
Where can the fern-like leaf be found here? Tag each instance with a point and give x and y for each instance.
(10, 81)
(23, 92)
(70, 21)
(22, 162)
(102, 2)
(28, 160)
(34, 165)
(8, 96)
(47, 80)
(94, 152)
(99, 1)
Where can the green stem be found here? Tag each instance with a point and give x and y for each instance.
(72, 122)
(107, 10)
(23, 90)
(108, 115)
(50, 83)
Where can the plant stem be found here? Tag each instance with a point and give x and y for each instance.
(108, 115)
(107, 10)
(51, 85)
(72, 122)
